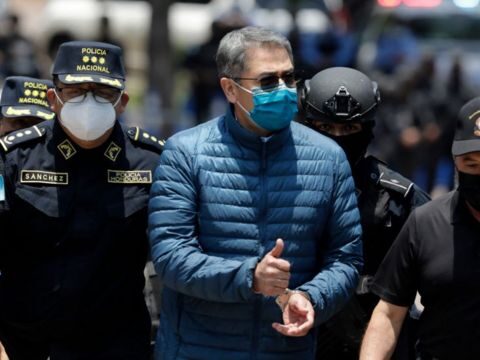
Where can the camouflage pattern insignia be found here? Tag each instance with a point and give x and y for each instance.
(142, 137)
(11, 140)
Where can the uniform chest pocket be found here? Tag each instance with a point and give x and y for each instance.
(53, 201)
(39, 218)
(124, 201)
(126, 222)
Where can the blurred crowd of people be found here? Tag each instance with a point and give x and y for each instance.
(17, 53)
(415, 122)
(412, 131)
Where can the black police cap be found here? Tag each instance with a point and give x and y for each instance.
(90, 61)
(26, 97)
(467, 134)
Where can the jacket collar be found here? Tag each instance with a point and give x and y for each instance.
(251, 140)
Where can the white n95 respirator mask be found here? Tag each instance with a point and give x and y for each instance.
(88, 120)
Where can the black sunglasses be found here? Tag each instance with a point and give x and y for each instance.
(270, 81)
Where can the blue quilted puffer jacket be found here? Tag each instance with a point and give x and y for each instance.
(220, 199)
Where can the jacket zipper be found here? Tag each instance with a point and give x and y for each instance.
(263, 214)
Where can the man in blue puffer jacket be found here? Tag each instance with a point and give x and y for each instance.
(253, 219)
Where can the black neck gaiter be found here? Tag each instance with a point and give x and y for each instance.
(469, 187)
(354, 145)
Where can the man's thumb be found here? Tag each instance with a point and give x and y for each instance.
(277, 249)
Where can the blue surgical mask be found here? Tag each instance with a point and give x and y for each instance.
(273, 110)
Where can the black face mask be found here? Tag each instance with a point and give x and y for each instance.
(469, 187)
(354, 145)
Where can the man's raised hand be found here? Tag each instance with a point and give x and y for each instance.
(272, 273)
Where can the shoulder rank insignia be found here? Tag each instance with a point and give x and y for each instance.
(142, 137)
(9, 141)
(391, 180)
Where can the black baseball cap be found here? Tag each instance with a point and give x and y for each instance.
(90, 61)
(467, 134)
(26, 97)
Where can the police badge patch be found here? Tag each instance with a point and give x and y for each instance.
(129, 176)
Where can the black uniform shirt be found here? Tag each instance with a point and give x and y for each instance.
(74, 239)
(438, 253)
(385, 200)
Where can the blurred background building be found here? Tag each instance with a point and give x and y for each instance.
(424, 54)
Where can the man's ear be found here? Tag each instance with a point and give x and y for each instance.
(53, 101)
(122, 104)
(229, 89)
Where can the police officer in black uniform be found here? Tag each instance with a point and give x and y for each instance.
(436, 254)
(74, 245)
(341, 103)
(23, 103)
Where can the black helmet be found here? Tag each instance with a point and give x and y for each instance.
(339, 94)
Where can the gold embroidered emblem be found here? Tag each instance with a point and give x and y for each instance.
(17, 112)
(94, 51)
(45, 116)
(129, 176)
(67, 149)
(115, 83)
(78, 78)
(43, 177)
(93, 67)
(112, 151)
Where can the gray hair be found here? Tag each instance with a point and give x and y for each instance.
(231, 53)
